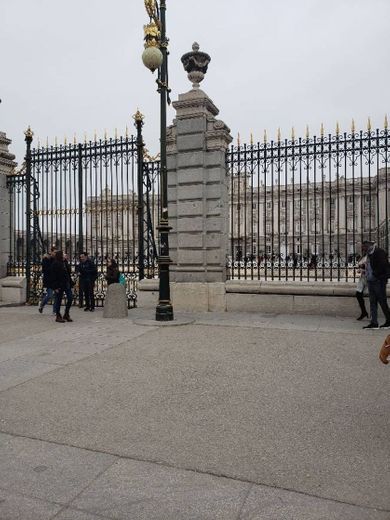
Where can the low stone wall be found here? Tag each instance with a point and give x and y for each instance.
(13, 290)
(276, 297)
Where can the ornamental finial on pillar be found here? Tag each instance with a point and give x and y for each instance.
(195, 63)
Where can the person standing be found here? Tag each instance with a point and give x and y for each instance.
(377, 272)
(88, 274)
(362, 285)
(47, 262)
(61, 283)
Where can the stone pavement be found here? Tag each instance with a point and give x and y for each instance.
(233, 416)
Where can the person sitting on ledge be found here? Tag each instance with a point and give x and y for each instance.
(112, 275)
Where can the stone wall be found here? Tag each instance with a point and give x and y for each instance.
(7, 165)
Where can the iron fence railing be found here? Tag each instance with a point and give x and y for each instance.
(91, 197)
(300, 208)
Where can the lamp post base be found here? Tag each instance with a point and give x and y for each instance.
(164, 311)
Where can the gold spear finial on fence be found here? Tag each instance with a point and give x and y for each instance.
(238, 139)
(386, 124)
(95, 136)
(127, 132)
(369, 124)
(105, 134)
(116, 133)
(279, 135)
(353, 126)
(265, 136)
(55, 141)
(65, 140)
(307, 132)
(251, 139)
(85, 137)
(292, 134)
(322, 130)
(337, 128)
(74, 139)
(39, 142)
(47, 142)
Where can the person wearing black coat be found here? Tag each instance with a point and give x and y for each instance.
(61, 283)
(112, 275)
(47, 261)
(87, 276)
(377, 273)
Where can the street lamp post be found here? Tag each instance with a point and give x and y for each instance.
(155, 57)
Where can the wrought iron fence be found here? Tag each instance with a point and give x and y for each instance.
(90, 196)
(300, 208)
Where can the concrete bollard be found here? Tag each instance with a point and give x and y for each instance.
(115, 303)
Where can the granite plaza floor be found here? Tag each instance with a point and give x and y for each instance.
(230, 417)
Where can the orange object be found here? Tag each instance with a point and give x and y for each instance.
(384, 353)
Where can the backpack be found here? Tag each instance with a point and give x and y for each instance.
(122, 279)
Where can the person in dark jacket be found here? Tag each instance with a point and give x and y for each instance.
(61, 283)
(377, 273)
(112, 275)
(87, 275)
(47, 261)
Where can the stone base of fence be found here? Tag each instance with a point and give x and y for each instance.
(13, 290)
(185, 296)
(275, 297)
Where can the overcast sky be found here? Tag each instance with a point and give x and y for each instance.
(75, 66)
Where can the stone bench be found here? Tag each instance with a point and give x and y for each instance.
(13, 290)
(115, 302)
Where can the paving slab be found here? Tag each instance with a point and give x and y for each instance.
(18, 507)
(132, 489)
(47, 471)
(66, 352)
(277, 504)
(13, 322)
(16, 371)
(73, 514)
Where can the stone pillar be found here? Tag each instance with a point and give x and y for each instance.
(7, 166)
(198, 196)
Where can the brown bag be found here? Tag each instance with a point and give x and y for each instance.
(384, 352)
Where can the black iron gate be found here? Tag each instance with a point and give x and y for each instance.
(98, 196)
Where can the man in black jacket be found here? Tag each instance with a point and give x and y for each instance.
(88, 274)
(377, 272)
